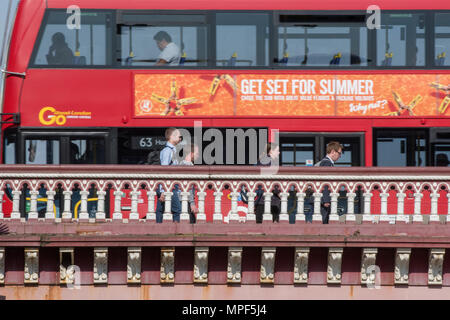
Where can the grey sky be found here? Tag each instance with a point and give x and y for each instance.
(3, 15)
(4, 4)
(3, 11)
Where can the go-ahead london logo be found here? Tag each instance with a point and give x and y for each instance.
(49, 116)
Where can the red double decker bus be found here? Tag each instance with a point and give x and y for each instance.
(83, 84)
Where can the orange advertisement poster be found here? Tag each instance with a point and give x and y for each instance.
(159, 95)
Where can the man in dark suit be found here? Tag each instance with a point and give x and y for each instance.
(334, 152)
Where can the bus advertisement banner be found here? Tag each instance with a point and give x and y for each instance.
(291, 95)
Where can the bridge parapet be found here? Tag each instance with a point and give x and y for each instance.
(129, 193)
(362, 247)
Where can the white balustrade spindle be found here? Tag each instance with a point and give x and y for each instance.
(333, 210)
(134, 214)
(151, 214)
(100, 214)
(217, 217)
(33, 213)
(417, 217)
(50, 205)
(300, 216)
(351, 202)
(367, 212)
(267, 216)
(350, 215)
(201, 216)
(234, 216)
(317, 215)
(67, 214)
(184, 216)
(401, 207)
(167, 215)
(384, 201)
(434, 207)
(83, 213)
(251, 206)
(15, 214)
(117, 215)
(284, 217)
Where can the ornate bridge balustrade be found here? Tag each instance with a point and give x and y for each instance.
(388, 231)
(99, 193)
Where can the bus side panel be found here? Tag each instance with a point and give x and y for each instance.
(106, 102)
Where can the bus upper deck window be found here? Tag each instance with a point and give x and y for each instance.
(442, 39)
(167, 40)
(322, 40)
(401, 40)
(85, 45)
(242, 39)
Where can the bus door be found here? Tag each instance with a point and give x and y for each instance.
(401, 147)
(440, 147)
(440, 155)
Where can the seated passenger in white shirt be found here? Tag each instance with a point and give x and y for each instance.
(170, 53)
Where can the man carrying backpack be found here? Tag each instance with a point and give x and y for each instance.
(167, 157)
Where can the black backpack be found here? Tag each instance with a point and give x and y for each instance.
(153, 156)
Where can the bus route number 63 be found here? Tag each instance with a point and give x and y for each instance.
(145, 142)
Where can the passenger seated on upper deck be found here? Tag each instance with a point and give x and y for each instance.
(59, 52)
(170, 53)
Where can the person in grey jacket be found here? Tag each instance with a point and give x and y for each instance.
(334, 152)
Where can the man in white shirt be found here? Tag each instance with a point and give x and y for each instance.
(170, 53)
(167, 155)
